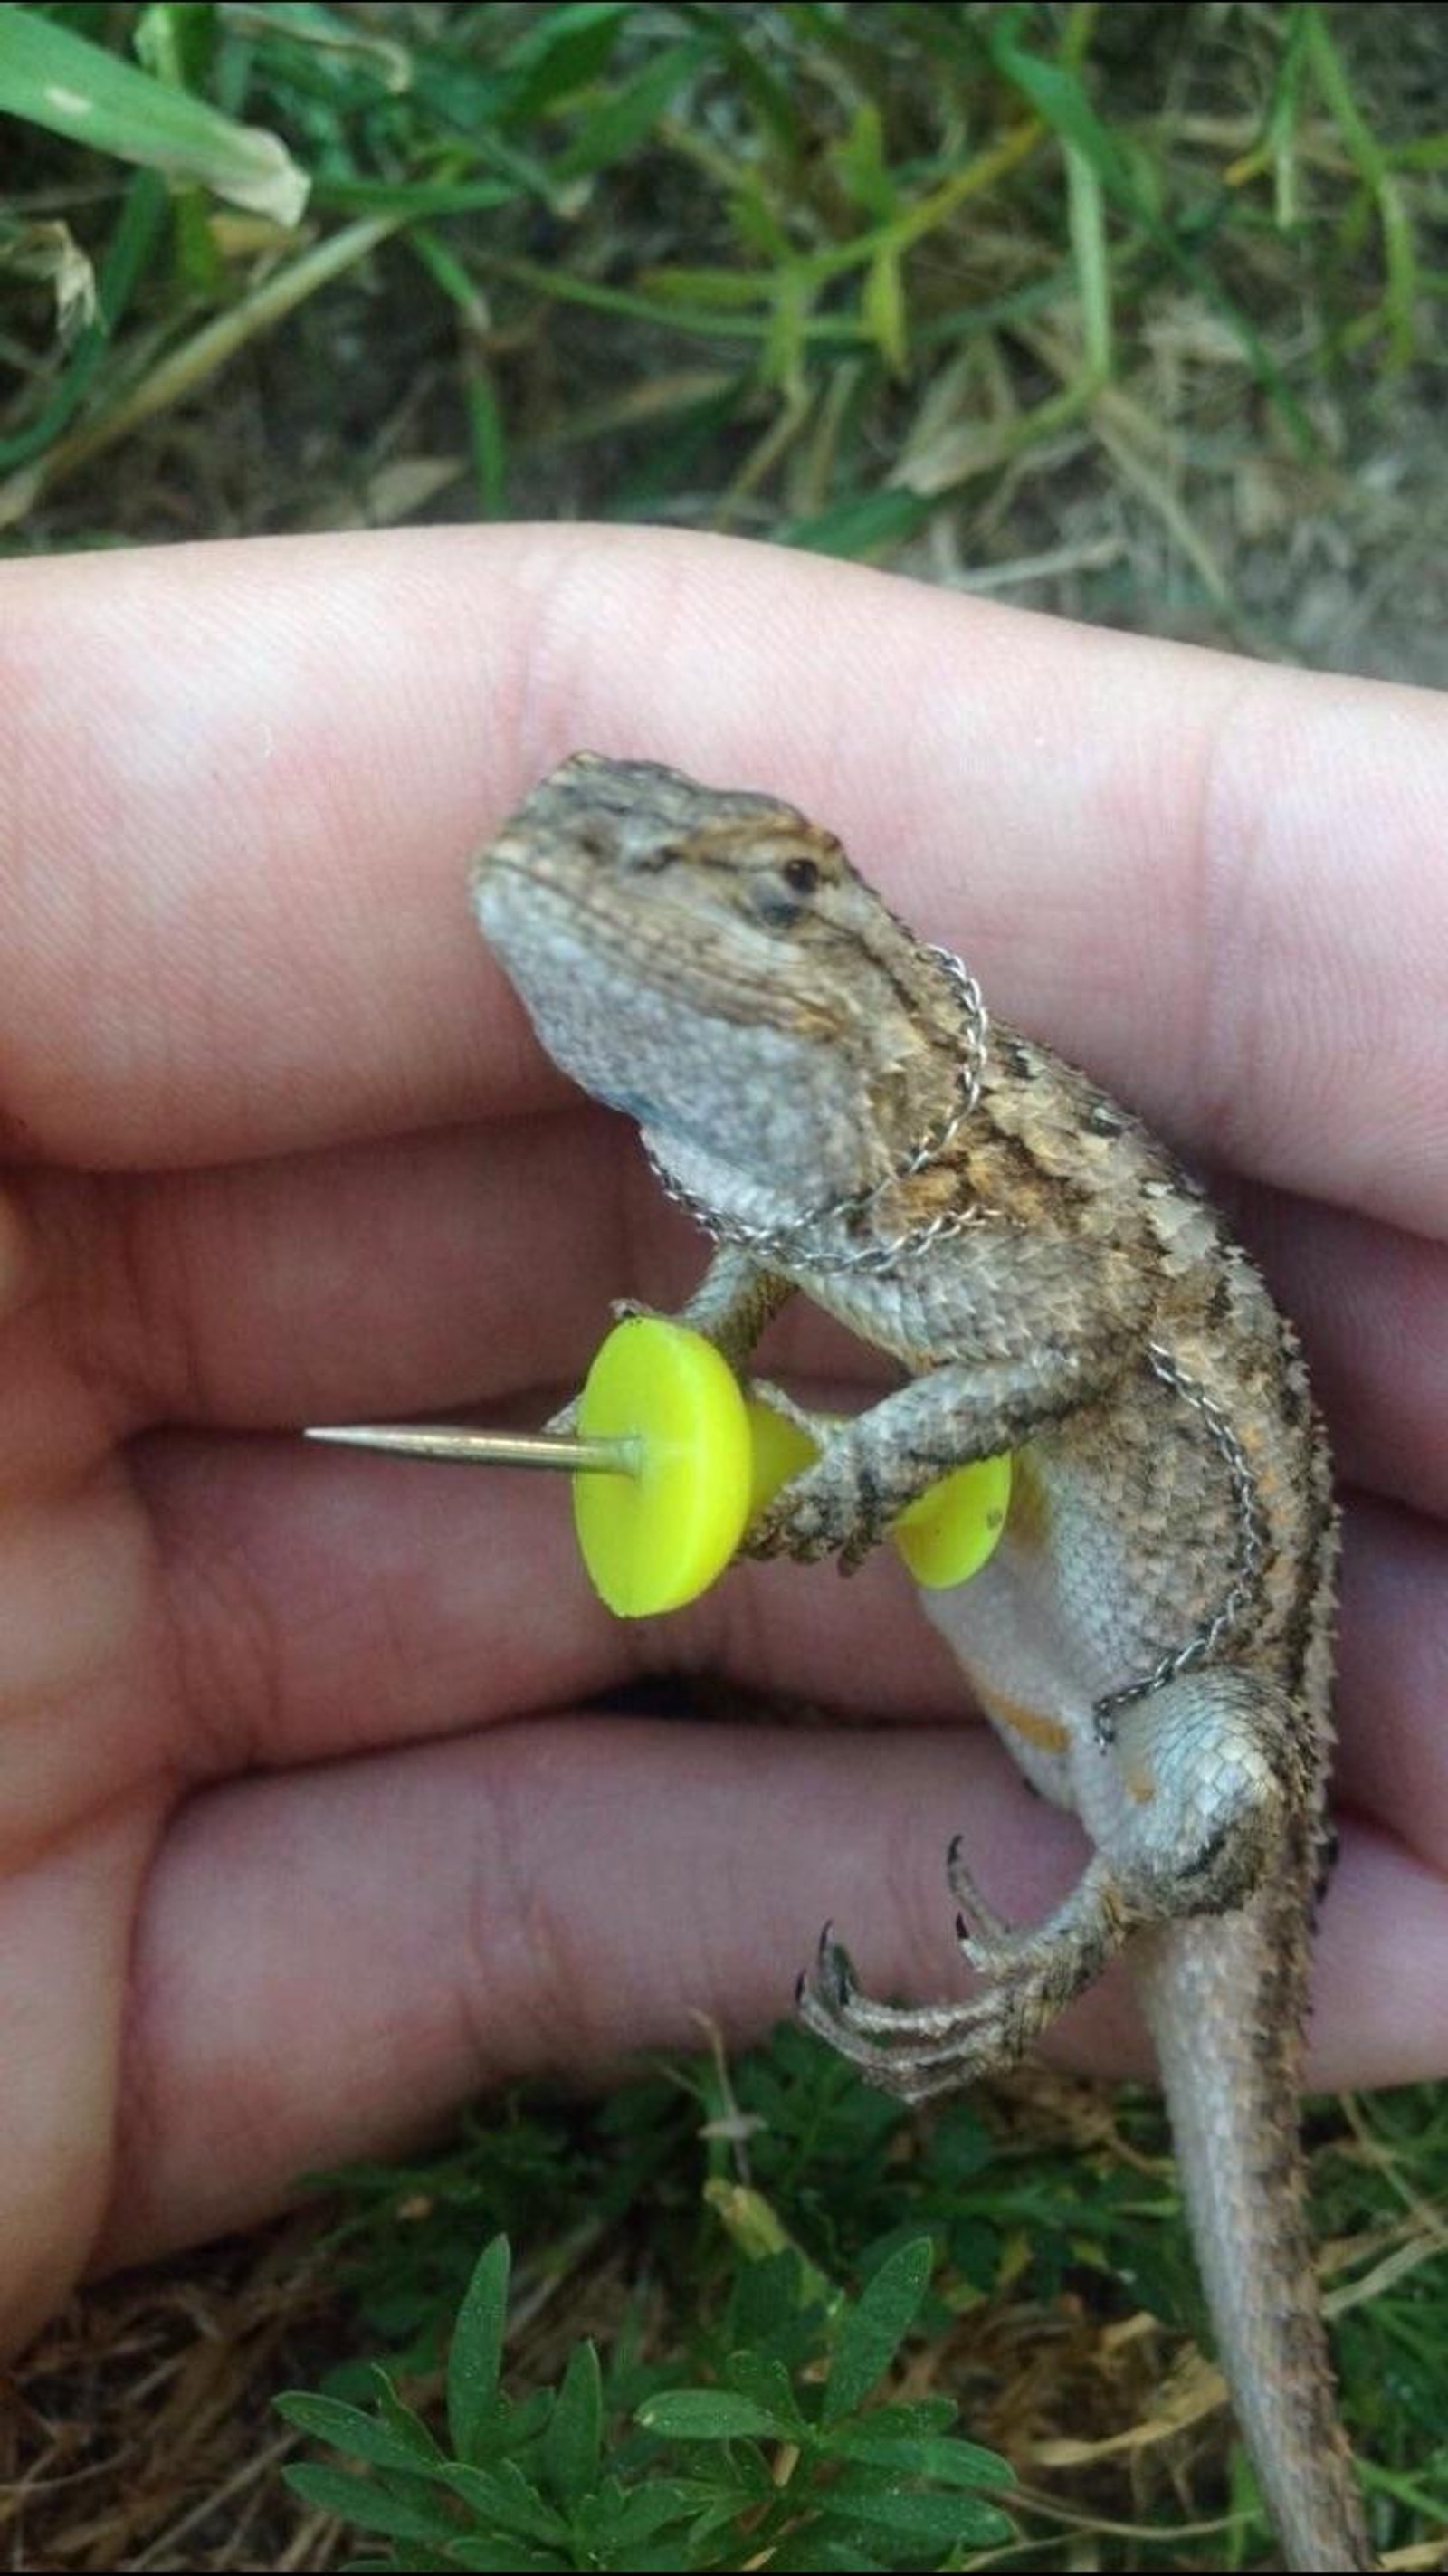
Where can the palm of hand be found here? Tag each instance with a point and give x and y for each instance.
(276, 1885)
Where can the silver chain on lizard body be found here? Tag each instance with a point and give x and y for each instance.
(1205, 1639)
(778, 1247)
(781, 1247)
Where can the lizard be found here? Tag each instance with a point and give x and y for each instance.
(1153, 1638)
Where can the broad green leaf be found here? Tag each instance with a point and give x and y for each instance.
(408, 2427)
(921, 2523)
(779, 2305)
(612, 2528)
(504, 2557)
(356, 2500)
(626, 2518)
(948, 2463)
(816, 2549)
(52, 78)
(525, 2417)
(504, 2501)
(476, 2358)
(620, 122)
(710, 2415)
(347, 2428)
(574, 2438)
(875, 2326)
(914, 2419)
(764, 2380)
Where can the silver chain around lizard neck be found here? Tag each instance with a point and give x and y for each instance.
(1245, 1573)
(780, 1247)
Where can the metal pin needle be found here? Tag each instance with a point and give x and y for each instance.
(623, 1457)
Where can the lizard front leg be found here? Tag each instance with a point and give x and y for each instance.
(870, 1468)
(1191, 1814)
(733, 1302)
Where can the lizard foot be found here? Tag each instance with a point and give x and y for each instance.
(916, 2051)
(1028, 1977)
(828, 1508)
(789, 1526)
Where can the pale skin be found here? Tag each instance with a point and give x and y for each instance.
(280, 1885)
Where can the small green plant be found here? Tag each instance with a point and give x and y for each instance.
(783, 2460)
(788, 2281)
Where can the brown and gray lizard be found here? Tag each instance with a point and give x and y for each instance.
(1153, 1638)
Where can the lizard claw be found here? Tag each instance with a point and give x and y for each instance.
(787, 1527)
(986, 1940)
(835, 1979)
(627, 1310)
(855, 1550)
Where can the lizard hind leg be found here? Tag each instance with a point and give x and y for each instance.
(1188, 1806)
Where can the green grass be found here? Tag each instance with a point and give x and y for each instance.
(824, 2280)
(870, 279)
(1135, 311)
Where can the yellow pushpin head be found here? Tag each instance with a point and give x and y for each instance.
(659, 1536)
(946, 1535)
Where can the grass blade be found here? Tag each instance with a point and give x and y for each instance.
(52, 78)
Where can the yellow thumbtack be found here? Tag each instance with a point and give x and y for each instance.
(671, 1463)
(663, 1538)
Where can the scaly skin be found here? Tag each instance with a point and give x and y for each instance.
(1153, 1637)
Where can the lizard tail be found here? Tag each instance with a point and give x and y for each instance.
(1224, 1997)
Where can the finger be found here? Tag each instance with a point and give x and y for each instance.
(323, 1602)
(566, 1895)
(468, 1263)
(250, 864)
(378, 1279)
(1372, 1306)
(59, 1424)
(85, 1688)
(65, 1925)
(1392, 1761)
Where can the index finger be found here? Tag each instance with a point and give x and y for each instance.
(242, 782)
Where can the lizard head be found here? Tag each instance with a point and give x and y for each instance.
(710, 962)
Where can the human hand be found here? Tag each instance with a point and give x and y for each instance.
(304, 1836)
